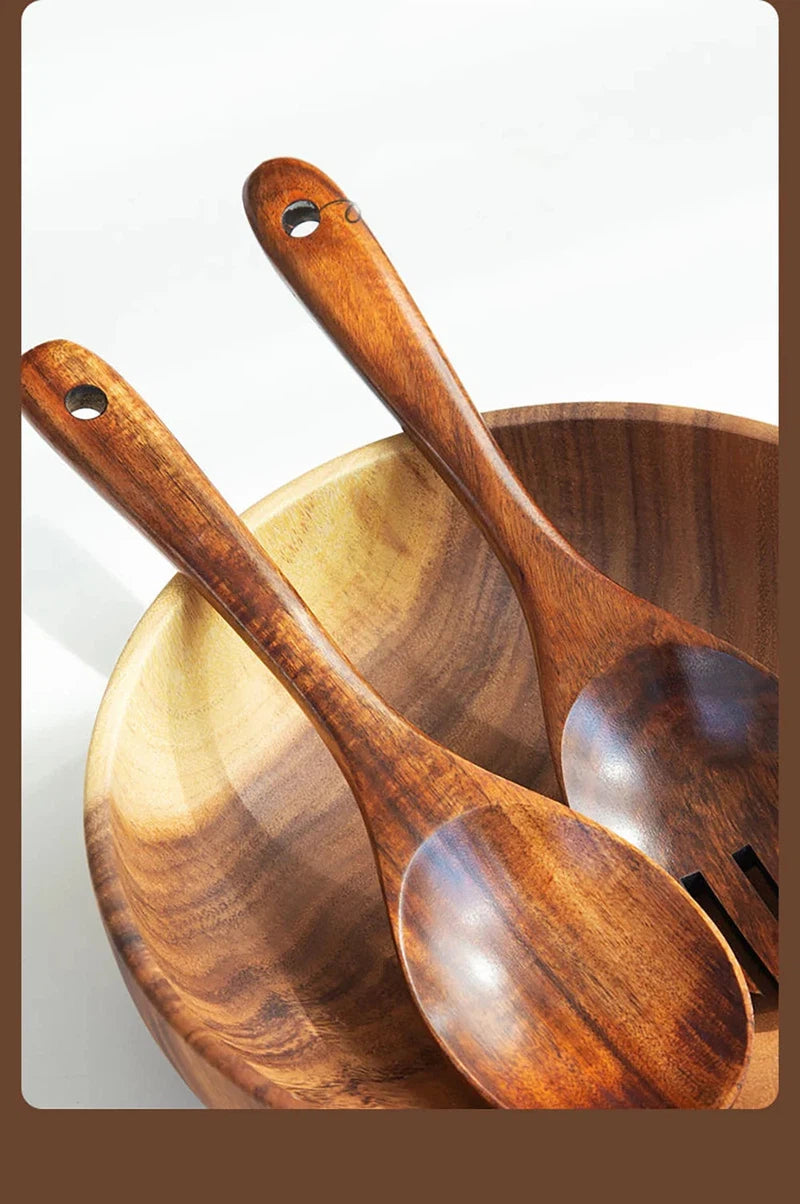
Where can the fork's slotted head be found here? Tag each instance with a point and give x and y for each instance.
(713, 718)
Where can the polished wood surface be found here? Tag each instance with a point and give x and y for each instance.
(232, 870)
(618, 682)
(554, 963)
(725, 712)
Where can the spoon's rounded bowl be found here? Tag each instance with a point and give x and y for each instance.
(232, 870)
(552, 988)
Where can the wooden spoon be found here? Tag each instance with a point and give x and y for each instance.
(659, 730)
(556, 964)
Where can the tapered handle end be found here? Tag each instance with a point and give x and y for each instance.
(62, 381)
(283, 197)
(58, 360)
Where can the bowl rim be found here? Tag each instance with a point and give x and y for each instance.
(129, 946)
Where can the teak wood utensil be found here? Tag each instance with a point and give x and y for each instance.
(658, 730)
(556, 964)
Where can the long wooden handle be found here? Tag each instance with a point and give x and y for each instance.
(345, 279)
(133, 460)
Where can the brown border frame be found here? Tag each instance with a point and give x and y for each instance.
(99, 1154)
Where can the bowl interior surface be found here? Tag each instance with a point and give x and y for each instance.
(232, 869)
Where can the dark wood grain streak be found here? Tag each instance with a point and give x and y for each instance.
(596, 643)
(574, 949)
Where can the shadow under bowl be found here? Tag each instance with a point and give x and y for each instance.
(232, 870)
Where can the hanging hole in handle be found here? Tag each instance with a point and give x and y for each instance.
(86, 402)
(300, 219)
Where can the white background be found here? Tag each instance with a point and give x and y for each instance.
(582, 197)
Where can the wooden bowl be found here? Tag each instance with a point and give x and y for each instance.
(232, 870)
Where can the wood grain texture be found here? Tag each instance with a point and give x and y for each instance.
(618, 692)
(724, 711)
(231, 868)
(554, 963)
